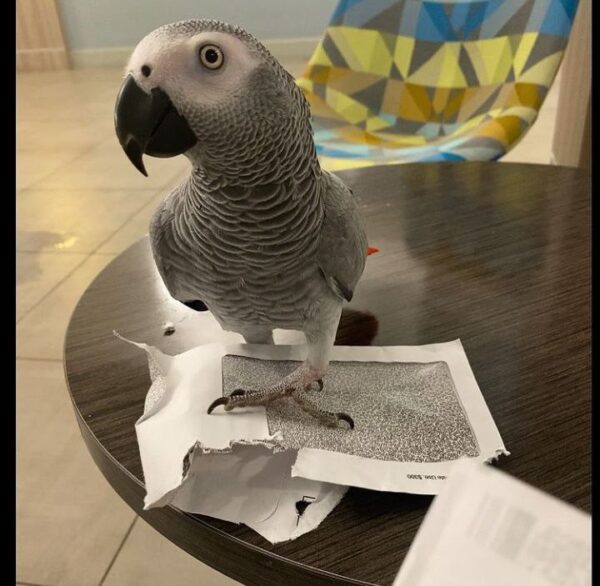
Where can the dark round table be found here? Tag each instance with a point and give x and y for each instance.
(495, 254)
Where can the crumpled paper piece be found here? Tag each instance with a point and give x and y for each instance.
(227, 468)
(232, 466)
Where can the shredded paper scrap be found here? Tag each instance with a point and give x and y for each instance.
(417, 410)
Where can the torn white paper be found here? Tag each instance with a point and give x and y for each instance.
(219, 466)
(486, 527)
(181, 446)
(253, 485)
(415, 475)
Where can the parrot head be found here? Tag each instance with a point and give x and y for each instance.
(213, 92)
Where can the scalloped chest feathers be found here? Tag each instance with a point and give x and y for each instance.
(248, 253)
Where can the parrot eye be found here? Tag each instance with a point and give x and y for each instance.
(211, 56)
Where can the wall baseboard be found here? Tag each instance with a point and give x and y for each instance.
(296, 49)
(105, 57)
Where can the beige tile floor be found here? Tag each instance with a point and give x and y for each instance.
(80, 203)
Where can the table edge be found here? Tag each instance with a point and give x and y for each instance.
(134, 493)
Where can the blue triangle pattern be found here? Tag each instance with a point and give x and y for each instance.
(467, 17)
(431, 24)
(360, 14)
(339, 153)
(342, 7)
(441, 157)
(570, 7)
(557, 21)
(502, 12)
(492, 6)
(435, 23)
(426, 29)
(476, 17)
(459, 16)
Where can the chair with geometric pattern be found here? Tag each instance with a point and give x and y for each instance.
(397, 81)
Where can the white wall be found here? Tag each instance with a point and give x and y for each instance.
(98, 24)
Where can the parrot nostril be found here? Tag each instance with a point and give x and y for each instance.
(146, 71)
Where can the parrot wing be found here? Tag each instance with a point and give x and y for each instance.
(343, 242)
(162, 249)
(160, 233)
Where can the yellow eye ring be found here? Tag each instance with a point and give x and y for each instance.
(211, 56)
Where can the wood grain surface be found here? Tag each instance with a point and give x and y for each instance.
(495, 254)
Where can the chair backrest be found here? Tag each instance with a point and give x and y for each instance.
(429, 66)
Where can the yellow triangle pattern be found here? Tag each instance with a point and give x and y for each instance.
(443, 67)
(376, 123)
(523, 51)
(320, 57)
(364, 50)
(348, 108)
(491, 58)
(542, 70)
(403, 52)
(470, 88)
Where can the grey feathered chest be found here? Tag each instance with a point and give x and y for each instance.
(251, 254)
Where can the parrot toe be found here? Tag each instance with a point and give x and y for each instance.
(220, 401)
(294, 387)
(346, 418)
(243, 398)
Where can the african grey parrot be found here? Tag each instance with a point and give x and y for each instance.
(258, 233)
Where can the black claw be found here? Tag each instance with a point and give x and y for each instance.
(217, 402)
(238, 392)
(346, 418)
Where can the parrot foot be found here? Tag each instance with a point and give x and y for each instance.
(301, 379)
(292, 386)
(326, 417)
(243, 398)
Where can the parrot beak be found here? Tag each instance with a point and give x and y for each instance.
(149, 124)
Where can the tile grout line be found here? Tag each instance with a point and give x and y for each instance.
(58, 284)
(123, 226)
(114, 559)
(120, 227)
(46, 175)
(95, 251)
(33, 187)
(29, 584)
(167, 186)
(89, 255)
